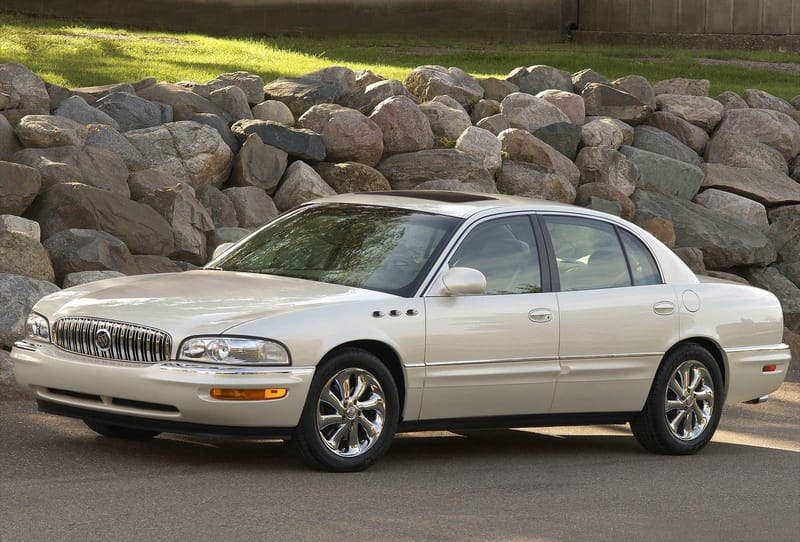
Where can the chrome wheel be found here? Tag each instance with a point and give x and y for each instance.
(351, 412)
(689, 400)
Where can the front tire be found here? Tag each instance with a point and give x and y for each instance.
(119, 432)
(351, 413)
(685, 403)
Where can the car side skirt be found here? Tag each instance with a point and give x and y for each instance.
(509, 422)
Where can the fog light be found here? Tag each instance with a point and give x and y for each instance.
(263, 394)
(769, 368)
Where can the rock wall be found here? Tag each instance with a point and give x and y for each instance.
(148, 177)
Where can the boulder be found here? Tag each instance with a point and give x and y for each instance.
(146, 181)
(9, 144)
(348, 135)
(184, 103)
(17, 224)
(483, 109)
(687, 133)
(404, 126)
(482, 145)
(496, 123)
(365, 78)
(564, 137)
(680, 85)
(665, 175)
(77, 109)
(660, 228)
(101, 91)
(219, 207)
(725, 241)
(58, 94)
(603, 132)
(22, 90)
(529, 112)
(427, 82)
(221, 126)
(85, 277)
(649, 138)
(447, 123)
(639, 87)
(233, 101)
(221, 236)
(106, 137)
(298, 143)
(606, 166)
(607, 101)
(252, 85)
(746, 210)
(348, 177)
(43, 131)
(765, 186)
(253, 206)
(693, 258)
(784, 230)
(275, 111)
(570, 104)
(604, 206)
(259, 165)
(582, 78)
(759, 99)
(405, 171)
(149, 264)
(520, 146)
(772, 128)
(455, 185)
(193, 153)
(731, 100)
(21, 254)
(75, 205)
(19, 186)
(534, 79)
(130, 111)
(300, 184)
(785, 290)
(698, 110)
(188, 218)
(529, 180)
(323, 86)
(735, 150)
(497, 89)
(791, 271)
(795, 169)
(587, 193)
(18, 295)
(367, 98)
(75, 250)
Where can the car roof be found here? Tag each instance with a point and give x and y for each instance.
(456, 204)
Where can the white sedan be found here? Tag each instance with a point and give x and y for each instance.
(358, 316)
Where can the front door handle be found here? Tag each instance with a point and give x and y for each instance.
(540, 316)
(664, 308)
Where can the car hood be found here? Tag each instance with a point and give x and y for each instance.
(196, 302)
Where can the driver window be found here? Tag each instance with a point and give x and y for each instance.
(505, 251)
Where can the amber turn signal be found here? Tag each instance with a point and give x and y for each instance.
(262, 394)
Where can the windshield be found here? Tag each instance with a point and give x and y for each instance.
(377, 248)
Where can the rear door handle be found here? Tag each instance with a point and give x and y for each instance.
(664, 308)
(540, 316)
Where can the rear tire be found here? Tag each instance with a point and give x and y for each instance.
(684, 405)
(119, 432)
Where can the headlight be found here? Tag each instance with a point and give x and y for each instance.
(37, 328)
(234, 351)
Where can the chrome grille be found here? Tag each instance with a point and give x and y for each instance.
(107, 339)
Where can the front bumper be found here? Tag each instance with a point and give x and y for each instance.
(173, 393)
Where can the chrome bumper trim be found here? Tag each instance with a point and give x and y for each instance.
(768, 347)
(762, 399)
(231, 370)
(25, 345)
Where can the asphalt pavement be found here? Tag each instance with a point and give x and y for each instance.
(61, 482)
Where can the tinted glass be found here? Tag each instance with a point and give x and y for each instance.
(377, 248)
(588, 254)
(643, 266)
(505, 251)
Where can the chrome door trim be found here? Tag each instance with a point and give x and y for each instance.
(612, 356)
(485, 361)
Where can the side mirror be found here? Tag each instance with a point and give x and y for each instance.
(220, 249)
(464, 281)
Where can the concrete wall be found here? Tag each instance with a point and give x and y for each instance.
(768, 17)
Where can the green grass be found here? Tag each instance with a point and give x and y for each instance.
(74, 54)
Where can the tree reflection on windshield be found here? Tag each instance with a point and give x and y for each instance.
(378, 248)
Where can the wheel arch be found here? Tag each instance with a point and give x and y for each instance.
(712, 347)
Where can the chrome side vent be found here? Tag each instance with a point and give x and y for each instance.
(107, 339)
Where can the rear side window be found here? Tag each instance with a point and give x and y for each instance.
(643, 267)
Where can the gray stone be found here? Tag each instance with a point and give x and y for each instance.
(19, 186)
(649, 138)
(639, 87)
(101, 91)
(582, 78)
(495, 123)
(85, 277)
(144, 83)
(259, 165)
(784, 231)
(427, 82)
(146, 181)
(698, 110)
(300, 184)
(732, 149)
(746, 210)
(251, 85)
(725, 241)
(42, 131)
(221, 236)
(791, 271)
(253, 206)
(106, 137)
(20, 254)
(603, 132)
(796, 102)
(570, 104)
(530, 113)
(530, 180)
(16, 224)
(606, 166)
(447, 123)
(607, 101)
(795, 169)
(75, 250)
(149, 264)
(58, 94)
(731, 100)
(50, 172)
(497, 89)
(455, 185)
(365, 78)
(233, 101)
(450, 102)
(130, 111)
(75, 205)
(193, 153)
(680, 85)
(765, 186)
(298, 143)
(787, 293)
(772, 128)
(18, 295)
(348, 135)
(77, 109)
(605, 206)
(275, 111)
(22, 90)
(587, 193)
(483, 109)
(9, 144)
(693, 258)
(185, 104)
(405, 171)
(562, 136)
(759, 99)
(218, 205)
(221, 126)
(665, 175)
(322, 86)
(352, 177)
(519, 145)
(534, 79)
(366, 99)
(188, 218)
(404, 126)
(483, 145)
(687, 133)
